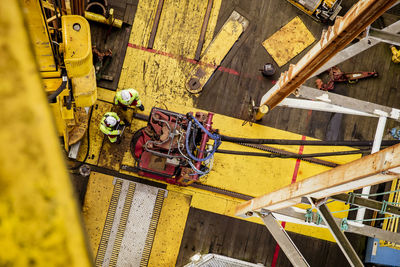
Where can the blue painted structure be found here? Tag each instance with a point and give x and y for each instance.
(384, 256)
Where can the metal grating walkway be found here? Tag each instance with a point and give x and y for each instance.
(130, 224)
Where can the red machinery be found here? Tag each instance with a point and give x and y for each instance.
(172, 147)
(336, 75)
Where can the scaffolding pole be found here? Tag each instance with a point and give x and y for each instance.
(339, 236)
(284, 241)
(297, 215)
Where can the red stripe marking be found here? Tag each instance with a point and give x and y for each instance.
(294, 178)
(193, 61)
(297, 166)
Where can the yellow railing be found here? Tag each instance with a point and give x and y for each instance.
(392, 223)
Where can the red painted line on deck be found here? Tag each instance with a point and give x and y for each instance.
(297, 166)
(294, 178)
(193, 61)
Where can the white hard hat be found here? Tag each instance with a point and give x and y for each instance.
(111, 121)
(125, 95)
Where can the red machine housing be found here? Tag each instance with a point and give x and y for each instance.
(159, 148)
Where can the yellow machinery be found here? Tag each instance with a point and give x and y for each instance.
(40, 224)
(63, 50)
(321, 10)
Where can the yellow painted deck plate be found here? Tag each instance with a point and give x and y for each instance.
(161, 74)
(289, 41)
(170, 228)
(216, 52)
(95, 208)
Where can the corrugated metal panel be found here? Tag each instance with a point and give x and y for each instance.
(309, 4)
(214, 260)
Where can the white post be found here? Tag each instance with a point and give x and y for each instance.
(375, 148)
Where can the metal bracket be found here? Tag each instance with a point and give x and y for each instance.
(319, 202)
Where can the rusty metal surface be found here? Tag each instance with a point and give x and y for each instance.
(221, 191)
(332, 41)
(162, 185)
(195, 185)
(78, 7)
(98, 8)
(284, 152)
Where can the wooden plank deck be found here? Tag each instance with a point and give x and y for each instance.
(105, 37)
(207, 232)
(229, 94)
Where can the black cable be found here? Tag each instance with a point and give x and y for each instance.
(88, 143)
(298, 156)
(305, 142)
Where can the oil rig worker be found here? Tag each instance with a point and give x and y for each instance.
(110, 124)
(396, 54)
(128, 97)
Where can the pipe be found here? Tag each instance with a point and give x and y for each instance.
(321, 106)
(101, 19)
(52, 98)
(380, 128)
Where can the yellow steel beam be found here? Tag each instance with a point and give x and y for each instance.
(40, 35)
(39, 218)
(345, 29)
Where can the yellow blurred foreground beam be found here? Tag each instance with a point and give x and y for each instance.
(39, 219)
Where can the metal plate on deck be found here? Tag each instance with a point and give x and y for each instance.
(289, 41)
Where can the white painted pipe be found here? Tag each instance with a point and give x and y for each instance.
(380, 129)
(321, 106)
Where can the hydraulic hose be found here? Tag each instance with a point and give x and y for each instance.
(215, 137)
(52, 97)
(188, 149)
(305, 142)
(298, 156)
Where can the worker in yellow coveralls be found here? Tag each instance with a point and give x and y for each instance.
(128, 98)
(111, 125)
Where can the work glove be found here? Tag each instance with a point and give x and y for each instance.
(141, 107)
